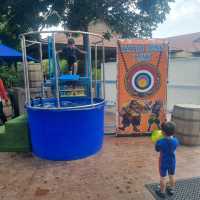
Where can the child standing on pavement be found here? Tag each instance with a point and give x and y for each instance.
(167, 161)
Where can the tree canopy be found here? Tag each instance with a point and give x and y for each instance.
(130, 18)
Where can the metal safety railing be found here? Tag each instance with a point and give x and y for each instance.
(26, 42)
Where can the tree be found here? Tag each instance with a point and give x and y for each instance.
(131, 18)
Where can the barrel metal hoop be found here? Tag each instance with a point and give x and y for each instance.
(186, 135)
(185, 119)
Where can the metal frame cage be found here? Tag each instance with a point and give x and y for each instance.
(26, 43)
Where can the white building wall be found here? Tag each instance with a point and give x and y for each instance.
(183, 81)
(110, 82)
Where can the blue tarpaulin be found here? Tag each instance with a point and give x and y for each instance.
(9, 54)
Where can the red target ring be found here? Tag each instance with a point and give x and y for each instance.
(142, 80)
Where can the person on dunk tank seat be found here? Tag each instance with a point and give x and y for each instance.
(70, 52)
(167, 160)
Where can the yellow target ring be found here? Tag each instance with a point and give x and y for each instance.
(142, 83)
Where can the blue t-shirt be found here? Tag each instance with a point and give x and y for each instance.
(167, 148)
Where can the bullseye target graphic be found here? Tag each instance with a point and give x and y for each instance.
(142, 80)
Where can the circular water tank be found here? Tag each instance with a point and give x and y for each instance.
(71, 132)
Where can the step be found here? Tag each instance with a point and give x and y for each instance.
(13, 148)
(20, 119)
(2, 134)
(15, 136)
(17, 124)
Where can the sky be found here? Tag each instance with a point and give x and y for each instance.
(183, 18)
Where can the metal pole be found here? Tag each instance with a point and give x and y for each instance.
(87, 60)
(32, 42)
(104, 91)
(56, 70)
(90, 68)
(25, 79)
(26, 76)
(41, 58)
(65, 31)
(96, 63)
(167, 82)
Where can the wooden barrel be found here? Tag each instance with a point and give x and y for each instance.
(36, 92)
(20, 99)
(35, 79)
(35, 75)
(187, 119)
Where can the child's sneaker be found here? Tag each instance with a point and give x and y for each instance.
(170, 190)
(160, 194)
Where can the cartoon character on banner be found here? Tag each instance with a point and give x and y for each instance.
(131, 115)
(155, 114)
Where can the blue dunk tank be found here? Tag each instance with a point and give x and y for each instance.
(65, 125)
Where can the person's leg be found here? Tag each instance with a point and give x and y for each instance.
(135, 121)
(162, 184)
(125, 123)
(135, 128)
(70, 68)
(150, 122)
(66, 70)
(163, 174)
(171, 185)
(2, 115)
(172, 181)
(3, 118)
(75, 68)
(171, 172)
(157, 122)
(161, 191)
(71, 72)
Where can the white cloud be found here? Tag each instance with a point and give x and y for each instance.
(184, 18)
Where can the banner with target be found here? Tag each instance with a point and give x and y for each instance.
(142, 85)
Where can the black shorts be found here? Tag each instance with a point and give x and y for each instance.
(71, 60)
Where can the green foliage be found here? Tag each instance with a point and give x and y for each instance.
(63, 65)
(45, 64)
(10, 76)
(131, 18)
(96, 72)
(62, 62)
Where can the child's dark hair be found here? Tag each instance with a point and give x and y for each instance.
(168, 128)
(71, 41)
